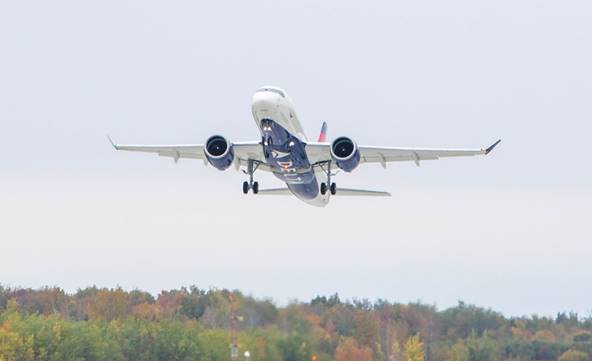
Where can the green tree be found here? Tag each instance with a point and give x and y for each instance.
(295, 347)
(458, 352)
(481, 348)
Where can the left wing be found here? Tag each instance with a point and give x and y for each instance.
(319, 152)
(243, 151)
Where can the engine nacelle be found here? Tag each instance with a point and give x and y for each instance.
(345, 153)
(219, 152)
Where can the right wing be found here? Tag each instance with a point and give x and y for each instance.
(243, 151)
(319, 152)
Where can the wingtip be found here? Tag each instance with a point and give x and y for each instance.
(112, 142)
(491, 147)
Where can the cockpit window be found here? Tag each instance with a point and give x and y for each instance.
(274, 90)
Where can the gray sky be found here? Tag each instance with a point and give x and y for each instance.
(510, 231)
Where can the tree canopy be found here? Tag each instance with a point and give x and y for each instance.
(49, 324)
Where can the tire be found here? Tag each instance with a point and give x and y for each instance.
(333, 188)
(255, 187)
(245, 187)
(323, 188)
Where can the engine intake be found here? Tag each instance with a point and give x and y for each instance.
(345, 153)
(219, 152)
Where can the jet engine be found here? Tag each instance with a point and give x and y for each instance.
(345, 153)
(219, 152)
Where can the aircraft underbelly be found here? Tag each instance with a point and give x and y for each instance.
(285, 152)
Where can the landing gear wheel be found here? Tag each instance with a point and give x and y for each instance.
(323, 188)
(251, 168)
(333, 188)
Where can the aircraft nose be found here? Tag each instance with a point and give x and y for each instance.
(265, 99)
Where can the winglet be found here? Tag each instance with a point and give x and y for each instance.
(488, 150)
(323, 134)
(112, 143)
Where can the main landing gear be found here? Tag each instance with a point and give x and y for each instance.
(254, 186)
(332, 186)
(251, 168)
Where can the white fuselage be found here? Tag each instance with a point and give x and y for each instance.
(284, 143)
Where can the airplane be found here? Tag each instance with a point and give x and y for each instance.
(305, 166)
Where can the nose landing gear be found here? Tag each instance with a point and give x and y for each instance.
(251, 168)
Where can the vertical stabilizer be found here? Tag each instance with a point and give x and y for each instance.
(323, 134)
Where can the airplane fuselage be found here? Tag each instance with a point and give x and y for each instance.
(284, 145)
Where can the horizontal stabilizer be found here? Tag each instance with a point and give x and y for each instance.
(360, 192)
(275, 192)
(340, 192)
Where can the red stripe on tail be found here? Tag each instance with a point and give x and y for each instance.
(323, 134)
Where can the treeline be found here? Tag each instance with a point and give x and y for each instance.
(194, 324)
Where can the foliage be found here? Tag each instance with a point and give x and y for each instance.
(414, 349)
(350, 350)
(49, 324)
(573, 355)
(481, 348)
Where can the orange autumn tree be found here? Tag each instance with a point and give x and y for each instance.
(349, 350)
(109, 305)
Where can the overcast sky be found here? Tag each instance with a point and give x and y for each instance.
(510, 231)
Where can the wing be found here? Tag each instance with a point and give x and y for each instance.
(243, 151)
(319, 152)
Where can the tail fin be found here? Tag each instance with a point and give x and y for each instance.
(323, 134)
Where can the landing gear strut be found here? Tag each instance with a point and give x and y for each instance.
(251, 168)
(332, 186)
